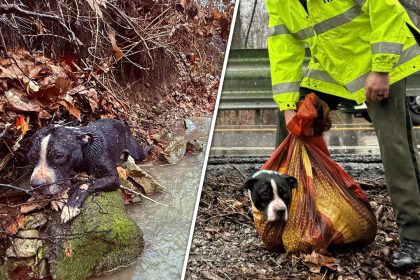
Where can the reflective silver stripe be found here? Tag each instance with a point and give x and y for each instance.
(389, 48)
(357, 84)
(328, 24)
(320, 75)
(278, 30)
(286, 87)
(408, 54)
(338, 20)
(305, 33)
(360, 2)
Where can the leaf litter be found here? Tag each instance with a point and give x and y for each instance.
(226, 244)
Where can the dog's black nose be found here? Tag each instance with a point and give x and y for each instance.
(38, 182)
(280, 212)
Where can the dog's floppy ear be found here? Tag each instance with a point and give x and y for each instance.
(291, 181)
(249, 185)
(85, 138)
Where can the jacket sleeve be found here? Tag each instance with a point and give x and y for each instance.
(387, 18)
(286, 58)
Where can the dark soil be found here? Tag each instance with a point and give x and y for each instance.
(227, 246)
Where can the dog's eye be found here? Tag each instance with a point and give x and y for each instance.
(265, 196)
(59, 156)
(33, 156)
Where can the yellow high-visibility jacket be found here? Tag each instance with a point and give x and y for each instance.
(348, 39)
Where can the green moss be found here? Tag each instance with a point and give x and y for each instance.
(108, 239)
(5, 268)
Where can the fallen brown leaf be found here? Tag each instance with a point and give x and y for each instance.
(5, 61)
(6, 73)
(239, 206)
(122, 172)
(71, 109)
(316, 261)
(117, 51)
(68, 252)
(31, 205)
(16, 103)
(52, 92)
(33, 71)
(216, 14)
(22, 125)
(17, 224)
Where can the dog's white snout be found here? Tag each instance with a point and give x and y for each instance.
(277, 209)
(43, 174)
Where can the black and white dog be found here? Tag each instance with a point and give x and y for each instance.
(270, 192)
(95, 149)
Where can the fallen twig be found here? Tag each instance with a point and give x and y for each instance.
(64, 236)
(16, 188)
(379, 212)
(215, 268)
(225, 215)
(237, 169)
(3, 133)
(5, 161)
(142, 195)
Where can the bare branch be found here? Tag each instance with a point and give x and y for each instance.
(15, 188)
(15, 9)
(142, 195)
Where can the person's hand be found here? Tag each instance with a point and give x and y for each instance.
(377, 87)
(288, 115)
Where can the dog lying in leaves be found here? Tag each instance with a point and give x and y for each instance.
(57, 150)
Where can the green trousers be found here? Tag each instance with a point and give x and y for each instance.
(392, 123)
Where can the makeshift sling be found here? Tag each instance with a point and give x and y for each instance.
(328, 207)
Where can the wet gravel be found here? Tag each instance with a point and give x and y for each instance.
(227, 246)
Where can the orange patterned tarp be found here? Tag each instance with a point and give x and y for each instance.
(328, 207)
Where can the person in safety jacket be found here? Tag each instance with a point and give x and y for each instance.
(362, 50)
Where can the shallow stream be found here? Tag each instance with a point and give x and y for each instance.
(166, 229)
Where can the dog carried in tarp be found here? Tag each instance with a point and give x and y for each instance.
(327, 207)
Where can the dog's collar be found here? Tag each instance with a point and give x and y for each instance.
(266, 172)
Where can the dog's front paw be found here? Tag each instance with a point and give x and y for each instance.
(57, 205)
(69, 213)
(59, 200)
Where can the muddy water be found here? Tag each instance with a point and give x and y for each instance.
(166, 229)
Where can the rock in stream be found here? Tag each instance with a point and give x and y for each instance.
(104, 238)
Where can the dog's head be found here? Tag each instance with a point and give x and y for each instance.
(54, 152)
(271, 193)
